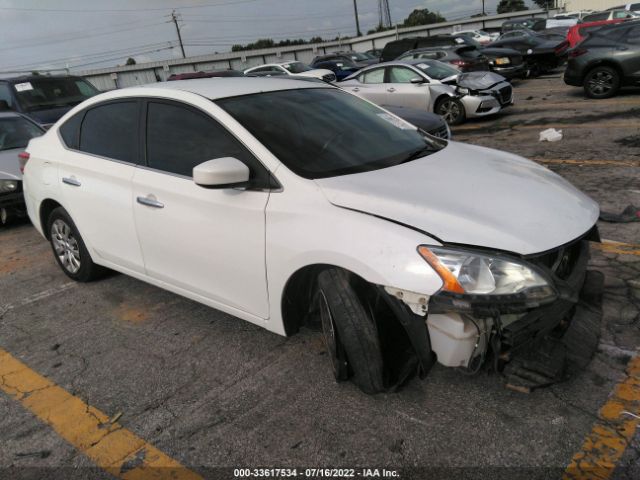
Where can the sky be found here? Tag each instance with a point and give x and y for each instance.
(87, 34)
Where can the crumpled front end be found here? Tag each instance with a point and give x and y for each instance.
(534, 338)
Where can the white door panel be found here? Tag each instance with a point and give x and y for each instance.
(97, 193)
(208, 241)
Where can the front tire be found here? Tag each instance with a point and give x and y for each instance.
(601, 82)
(451, 110)
(354, 342)
(69, 249)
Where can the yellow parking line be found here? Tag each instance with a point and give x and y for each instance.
(110, 446)
(617, 163)
(611, 433)
(619, 248)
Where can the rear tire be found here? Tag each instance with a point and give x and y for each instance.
(356, 337)
(601, 82)
(451, 110)
(69, 249)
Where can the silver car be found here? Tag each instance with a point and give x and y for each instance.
(15, 132)
(433, 86)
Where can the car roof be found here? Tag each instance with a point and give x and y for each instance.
(223, 87)
(28, 78)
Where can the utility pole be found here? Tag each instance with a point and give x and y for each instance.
(355, 11)
(483, 11)
(174, 18)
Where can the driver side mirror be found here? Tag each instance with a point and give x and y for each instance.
(418, 80)
(225, 172)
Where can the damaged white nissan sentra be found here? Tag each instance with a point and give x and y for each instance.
(288, 203)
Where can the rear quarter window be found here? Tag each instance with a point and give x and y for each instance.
(70, 131)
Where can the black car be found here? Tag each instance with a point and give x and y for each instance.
(606, 60)
(541, 54)
(209, 74)
(465, 58)
(341, 68)
(358, 59)
(394, 49)
(426, 121)
(531, 23)
(45, 98)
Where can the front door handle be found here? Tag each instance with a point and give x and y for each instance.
(355, 89)
(391, 90)
(150, 202)
(71, 181)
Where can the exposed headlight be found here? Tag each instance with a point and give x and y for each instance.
(463, 91)
(476, 273)
(503, 61)
(8, 186)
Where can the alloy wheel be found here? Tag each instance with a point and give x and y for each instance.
(65, 246)
(450, 111)
(601, 83)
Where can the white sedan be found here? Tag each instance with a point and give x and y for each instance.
(289, 203)
(297, 69)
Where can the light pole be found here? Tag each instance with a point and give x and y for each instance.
(355, 11)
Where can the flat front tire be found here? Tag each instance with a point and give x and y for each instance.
(350, 332)
(451, 110)
(69, 249)
(601, 82)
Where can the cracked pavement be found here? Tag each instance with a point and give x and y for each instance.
(211, 390)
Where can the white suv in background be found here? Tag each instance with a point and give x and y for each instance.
(290, 203)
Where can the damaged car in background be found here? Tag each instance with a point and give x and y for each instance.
(404, 249)
(432, 86)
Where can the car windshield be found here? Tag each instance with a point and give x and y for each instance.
(436, 70)
(45, 93)
(358, 57)
(15, 132)
(296, 67)
(312, 131)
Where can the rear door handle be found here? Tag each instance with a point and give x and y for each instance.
(391, 89)
(150, 202)
(71, 181)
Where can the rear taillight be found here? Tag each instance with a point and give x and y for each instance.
(576, 52)
(24, 158)
(459, 63)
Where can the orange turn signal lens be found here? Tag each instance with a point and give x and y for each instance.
(451, 283)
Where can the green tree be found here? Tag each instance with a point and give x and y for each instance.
(546, 4)
(130, 61)
(506, 6)
(422, 16)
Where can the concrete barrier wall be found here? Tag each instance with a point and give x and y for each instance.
(130, 75)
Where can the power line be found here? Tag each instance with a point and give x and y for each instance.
(174, 19)
(122, 10)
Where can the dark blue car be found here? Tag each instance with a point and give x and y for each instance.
(342, 69)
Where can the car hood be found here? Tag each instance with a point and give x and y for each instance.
(479, 80)
(316, 72)
(10, 164)
(49, 116)
(474, 196)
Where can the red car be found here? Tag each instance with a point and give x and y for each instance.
(577, 33)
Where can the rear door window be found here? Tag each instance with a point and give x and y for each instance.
(70, 131)
(111, 130)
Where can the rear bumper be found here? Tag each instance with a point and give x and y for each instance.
(510, 72)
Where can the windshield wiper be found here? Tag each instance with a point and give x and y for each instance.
(419, 153)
